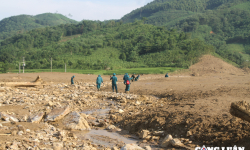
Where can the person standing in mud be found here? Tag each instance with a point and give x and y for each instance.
(99, 81)
(72, 79)
(127, 82)
(125, 77)
(114, 80)
(166, 75)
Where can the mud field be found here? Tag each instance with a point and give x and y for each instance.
(192, 106)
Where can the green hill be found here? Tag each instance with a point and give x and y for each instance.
(220, 23)
(22, 23)
(99, 45)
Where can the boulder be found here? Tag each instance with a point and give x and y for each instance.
(110, 127)
(76, 122)
(166, 141)
(176, 142)
(57, 114)
(131, 147)
(144, 134)
(7, 117)
(36, 118)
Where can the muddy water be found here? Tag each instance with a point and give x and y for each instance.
(104, 137)
(101, 136)
(97, 112)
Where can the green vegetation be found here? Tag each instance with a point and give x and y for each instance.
(156, 70)
(98, 45)
(164, 33)
(23, 23)
(220, 23)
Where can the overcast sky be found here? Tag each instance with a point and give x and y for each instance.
(79, 9)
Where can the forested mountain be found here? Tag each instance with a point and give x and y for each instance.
(225, 24)
(22, 23)
(98, 45)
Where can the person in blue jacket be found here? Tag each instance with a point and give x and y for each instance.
(127, 79)
(72, 79)
(166, 75)
(99, 81)
(137, 78)
(114, 80)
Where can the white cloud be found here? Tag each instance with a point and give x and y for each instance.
(79, 9)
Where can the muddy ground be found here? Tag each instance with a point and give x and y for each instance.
(196, 101)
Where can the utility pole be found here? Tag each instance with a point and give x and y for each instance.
(23, 64)
(19, 67)
(51, 64)
(65, 67)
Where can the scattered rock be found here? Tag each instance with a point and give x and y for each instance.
(114, 148)
(144, 134)
(23, 118)
(50, 104)
(158, 133)
(14, 132)
(120, 111)
(58, 146)
(189, 133)
(75, 121)
(21, 128)
(73, 135)
(147, 148)
(7, 117)
(14, 146)
(176, 142)
(137, 103)
(155, 137)
(131, 147)
(57, 114)
(110, 127)
(36, 118)
(123, 100)
(166, 141)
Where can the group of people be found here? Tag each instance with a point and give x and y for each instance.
(126, 80)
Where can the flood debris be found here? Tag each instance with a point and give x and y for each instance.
(57, 113)
(74, 121)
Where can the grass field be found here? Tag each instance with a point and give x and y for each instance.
(156, 70)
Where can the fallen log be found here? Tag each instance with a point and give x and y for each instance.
(37, 82)
(241, 110)
(5, 134)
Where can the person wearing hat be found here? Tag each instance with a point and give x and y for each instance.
(99, 81)
(127, 82)
(166, 75)
(72, 79)
(114, 80)
(125, 77)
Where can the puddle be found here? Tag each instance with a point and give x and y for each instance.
(98, 113)
(103, 137)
